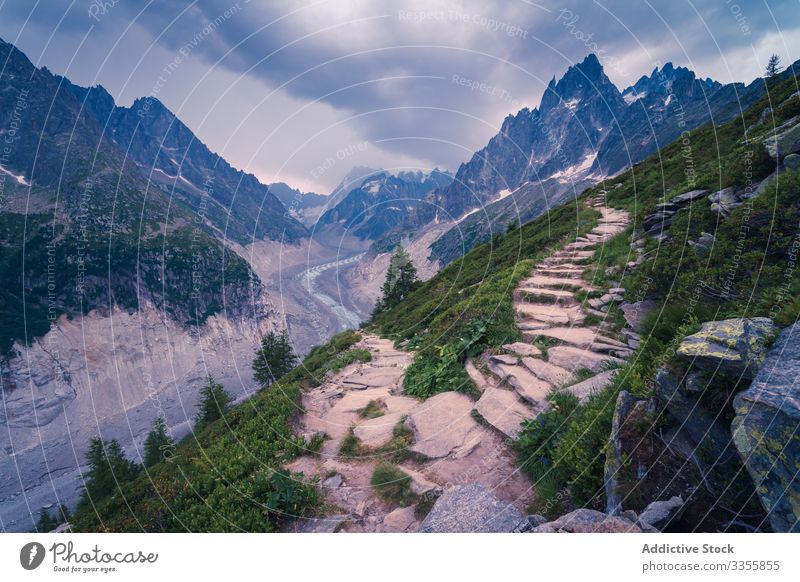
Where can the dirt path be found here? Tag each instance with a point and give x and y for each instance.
(450, 439)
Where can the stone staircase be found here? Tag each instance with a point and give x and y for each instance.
(559, 351)
(454, 439)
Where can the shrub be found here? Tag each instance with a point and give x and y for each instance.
(392, 485)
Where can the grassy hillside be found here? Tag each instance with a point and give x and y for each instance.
(749, 272)
(227, 477)
(467, 306)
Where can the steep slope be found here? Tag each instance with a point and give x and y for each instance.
(116, 298)
(710, 245)
(583, 130)
(384, 208)
(171, 157)
(304, 206)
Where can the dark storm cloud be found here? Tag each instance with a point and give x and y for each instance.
(415, 75)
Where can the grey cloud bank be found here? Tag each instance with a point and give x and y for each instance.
(381, 72)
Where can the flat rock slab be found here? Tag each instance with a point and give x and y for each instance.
(504, 359)
(523, 349)
(480, 380)
(574, 359)
(471, 509)
(502, 409)
(556, 282)
(582, 390)
(375, 377)
(588, 521)
(399, 520)
(318, 525)
(547, 371)
(554, 314)
(443, 425)
(376, 432)
(524, 382)
(582, 337)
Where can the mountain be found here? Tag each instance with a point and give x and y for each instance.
(584, 129)
(118, 293)
(351, 180)
(303, 206)
(171, 157)
(385, 207)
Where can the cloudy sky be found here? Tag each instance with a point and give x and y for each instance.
(301, 91)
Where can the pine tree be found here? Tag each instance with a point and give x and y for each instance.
(108, 467)
(158, 445)
(274, 358)
(214, 403)
(46, 522)
(401, 278)
(773, 66)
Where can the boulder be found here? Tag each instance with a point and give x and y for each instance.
(784, 143)
(702, 246)
(614, 459)
(766, 431)
(724, 201)
(472, 509)
(589, 521)
(687, 197)
(735, 346)
(792, 162)
(659, 514)
(636, 313)
(707, 433)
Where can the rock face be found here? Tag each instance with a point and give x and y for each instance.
(658, 223)
(766, 431)
(706, 431)
(109, 375)
(472, 509)
(734, 346)
(614, 458)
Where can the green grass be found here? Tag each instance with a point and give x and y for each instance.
(373, 409)
(467, 307)
(229, 476)
(393, 485)
(350, 357)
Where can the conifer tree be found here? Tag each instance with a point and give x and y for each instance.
(274, 358)
(108, 468)
(773, 66)
(401, 278)
(158, 445)
(214, 403)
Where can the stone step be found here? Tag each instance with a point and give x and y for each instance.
(555, 282)
(502, 409)
(522, 349)
(574, 359)
(583, 337)
(550, 313)
(582, 390)
(547, 371)
(528, 386)
(559, 272)
(559, 296)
